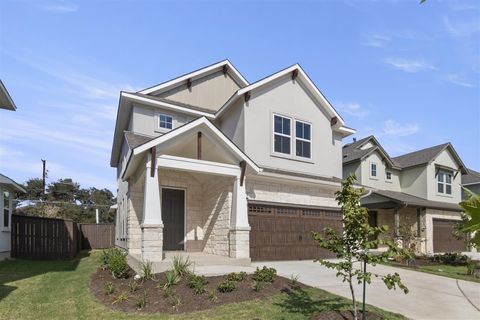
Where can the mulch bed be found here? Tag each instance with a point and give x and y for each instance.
(345, 315)
(417, 262)
(158, 303)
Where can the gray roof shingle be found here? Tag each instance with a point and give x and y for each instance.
(351, 153)
(472, 177)
(134, 139)
(419, 157)
(408, 199)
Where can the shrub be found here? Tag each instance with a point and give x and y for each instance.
(121, 297)
(167, 292)
(197, 283)
(147, 271)
(142, 301)
(175, 301)
(265, 274)
(171, 278)
(237, 276)
(226, 286)
(115, 261)
(181, 265)
(109, 288)
(212, 295)
(294, 284)
(257, 285)
(451, 258)
(133, 286)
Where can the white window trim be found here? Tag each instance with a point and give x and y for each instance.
(370, 170)
(444, 183)
(302, 139)
(160, 129)
(281, 134)
(10, 209)
(293, 153)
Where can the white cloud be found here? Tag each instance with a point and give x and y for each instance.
(458, 80)
(460, 29)
(376, 40)
(411, 66)
(353, 109)
(393, 128)
(61, 7)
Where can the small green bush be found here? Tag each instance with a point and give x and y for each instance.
(451, 258)
(147, 270)
(197, 283)
(109, 288)
(175, 301)
(133, 286)
(171, 278)
(226, 286)
(294, 283)
(181, 266)
(142, 301)
(167, 292)
(257, 285)
(237, 276)
(121, 297)
(115, 261)
(265, 274)
(212, 295)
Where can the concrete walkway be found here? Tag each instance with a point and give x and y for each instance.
(430, 297)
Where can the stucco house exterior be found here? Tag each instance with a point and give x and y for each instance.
(211, 163)
(8, 188)
(418, 191)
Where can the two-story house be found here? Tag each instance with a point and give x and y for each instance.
(416, 194)
(211, 163)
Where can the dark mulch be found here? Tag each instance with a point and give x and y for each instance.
(158, 302)
(417, 262)
(345, 315)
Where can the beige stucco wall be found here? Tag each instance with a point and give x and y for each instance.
(380, 181)
(282, 192)
(354, 168)
(444, 159)
(232, 124)
(209, 92)
(414, 181)
(288, 98)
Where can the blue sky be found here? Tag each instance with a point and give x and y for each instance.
(408, 73)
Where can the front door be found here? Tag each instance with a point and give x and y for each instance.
(173, 216)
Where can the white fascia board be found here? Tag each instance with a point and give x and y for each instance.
(345, 131)
(195, 74)
(189, 126)
(200, 166)
(11, 105)
(166, 105)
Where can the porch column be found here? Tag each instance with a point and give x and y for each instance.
(396, 226)
(239, 227)
(152, 225)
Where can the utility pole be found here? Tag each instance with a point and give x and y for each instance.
(44, 176)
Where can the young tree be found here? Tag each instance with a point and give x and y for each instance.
(471, 223)
(354, 243)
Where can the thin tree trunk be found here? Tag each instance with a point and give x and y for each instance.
(353, 296)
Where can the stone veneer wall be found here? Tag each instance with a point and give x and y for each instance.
(217, 195)
(290, 193)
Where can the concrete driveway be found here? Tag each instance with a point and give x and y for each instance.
(430, 297)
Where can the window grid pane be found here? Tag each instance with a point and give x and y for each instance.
(166, 122)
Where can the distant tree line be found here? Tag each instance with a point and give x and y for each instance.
(65, 199)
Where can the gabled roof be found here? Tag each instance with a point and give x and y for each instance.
(232, 71)
(135, 139)
(6, 101)
(194, 125)
(471, 177)
(4, 180)
(352, 151)
(426, 156)
(309, 86)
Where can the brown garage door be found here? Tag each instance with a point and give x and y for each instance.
(284, 233)
(443, 239)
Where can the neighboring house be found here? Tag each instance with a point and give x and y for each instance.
(418, 191)
(8, 188)
(211, 163)
(471, 181)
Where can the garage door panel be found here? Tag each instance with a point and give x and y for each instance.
(281, 233)
(443, 238)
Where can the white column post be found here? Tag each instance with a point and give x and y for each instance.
(239, 227)
(152, 226)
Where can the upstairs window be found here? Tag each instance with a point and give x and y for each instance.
(165, 122)
(444, 182)
(303, 139)
(282, 134)
(388, 175)
(373, 170)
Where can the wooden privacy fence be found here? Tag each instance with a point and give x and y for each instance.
(41, 238)
(97, 236)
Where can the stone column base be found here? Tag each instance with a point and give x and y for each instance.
(239, 240)
(152, 242)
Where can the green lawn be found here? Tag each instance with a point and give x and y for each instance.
(59, 290)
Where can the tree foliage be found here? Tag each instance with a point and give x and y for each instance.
(354, 243)
(471, 224)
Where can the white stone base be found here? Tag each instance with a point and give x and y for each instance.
(152, 242)
(240, 244)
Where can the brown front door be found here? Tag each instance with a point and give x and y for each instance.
(443, 238)
(285, 233)
(173, 216)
